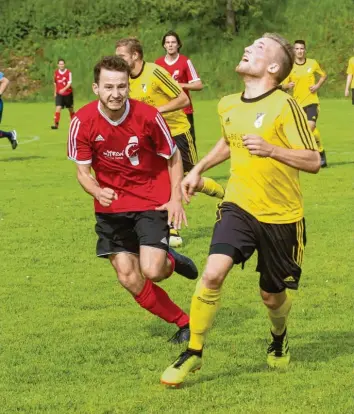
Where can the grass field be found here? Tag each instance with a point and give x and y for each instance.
(73, 341)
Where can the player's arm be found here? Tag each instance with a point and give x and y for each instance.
(104, 196)
(347, 86)
(164, 82)
(302, 153)
(219, 154)
(321, 81)
(194, 82)
(287, 84)
(4, 83)
(79, 150)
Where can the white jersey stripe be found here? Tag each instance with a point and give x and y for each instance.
(192, 70)
(161, 123)
(74, 129)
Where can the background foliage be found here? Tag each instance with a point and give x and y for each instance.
(83, 31)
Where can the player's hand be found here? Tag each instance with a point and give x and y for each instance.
(346, 93)
(106, 196)
(61, 91)
(189, 185)
(290, 85)
(256, 145)
(176, 213)
(313, 88)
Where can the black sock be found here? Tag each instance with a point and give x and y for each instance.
(4, 134)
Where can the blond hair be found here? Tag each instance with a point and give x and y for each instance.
(287, 58)
(133, 44)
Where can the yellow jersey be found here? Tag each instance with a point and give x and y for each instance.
(350, 70)
(264, 187)
(304, 76)
(155, 86)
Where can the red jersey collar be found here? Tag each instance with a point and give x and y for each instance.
(121, 119)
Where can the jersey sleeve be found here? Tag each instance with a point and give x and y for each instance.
(161, 136)
(1, 75)
(319, 70)
(166, 83)
(70, 77)
(295, 126)
(79, 148)
(350, 69)
(192, 74)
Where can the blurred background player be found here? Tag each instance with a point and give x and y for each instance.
(303, 83)
(136, 189)
(350, 79)
(181, 69)
(63, 92)
(10, 135)
(153, 85)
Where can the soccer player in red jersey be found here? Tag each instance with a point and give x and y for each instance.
(181, 69)
(63, 92)
(137, 189)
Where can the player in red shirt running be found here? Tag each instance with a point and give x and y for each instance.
(63, 92)
(181, 69)
(137, 189)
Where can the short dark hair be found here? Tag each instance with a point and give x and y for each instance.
(113, 63)
(61, 60)
(174, 34)
(133, 45)
(288, 58)
(300, 42)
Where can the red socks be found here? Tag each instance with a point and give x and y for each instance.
(56, 118)
(156, 300)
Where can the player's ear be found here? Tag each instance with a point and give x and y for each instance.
(273, 68)
(95, 88)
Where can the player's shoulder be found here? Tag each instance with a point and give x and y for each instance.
(160, 61)
(351, 60)
(311, 62)
(88, 112)
(183, 58)
(228, 101)
(156, 69)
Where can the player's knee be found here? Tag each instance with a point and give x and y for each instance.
(152, 272)
(272, 300)
(212, 279)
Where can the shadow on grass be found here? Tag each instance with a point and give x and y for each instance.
(323, 347)
(30, 157)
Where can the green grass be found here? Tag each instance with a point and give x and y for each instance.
(73, 341)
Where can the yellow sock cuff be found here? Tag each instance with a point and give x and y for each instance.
(279, 317)
(212, 188)
(317, 135)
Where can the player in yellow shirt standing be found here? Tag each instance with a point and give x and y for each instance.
(302, 81)
(266, 135)
(153, 85)
(350, 79)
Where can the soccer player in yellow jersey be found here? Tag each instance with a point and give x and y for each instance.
(350, 79)
(267, 138)
(153, 85)
(302, 82)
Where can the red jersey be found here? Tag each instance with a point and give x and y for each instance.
(129, 155)
(61, 79)
(183, 71)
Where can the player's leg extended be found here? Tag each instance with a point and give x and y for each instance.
(71, 112)
(278, 305)
(204, 305)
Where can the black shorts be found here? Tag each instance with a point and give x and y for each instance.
(311, 112)
(280, 246)
(126, 232)
(65, 101)
(188, 151)
(353, 96)
(191, 121)
(1, 109)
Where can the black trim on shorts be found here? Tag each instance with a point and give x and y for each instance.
(192, 130)
(353, 96)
